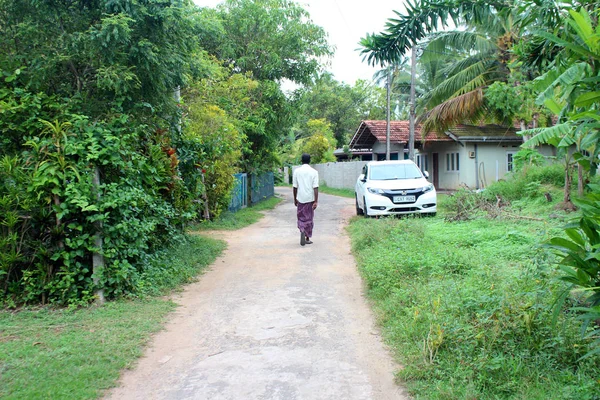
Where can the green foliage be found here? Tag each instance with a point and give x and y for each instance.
(570, 91)
(110, 54)
(86, 91)
(272, 39)
(341, 105)
(579, 262)
(320, 142)
(348, 193)
(519, 184)
(229, 221)
(91, 346)
(212, 149)
(525, 158)
(470, 316)
(505, 102)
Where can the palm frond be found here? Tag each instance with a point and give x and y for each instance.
(468, 107)
(463, 41)
(568, 78)
(478, 64)
(465, 80)
(546, 135)
(420, 19)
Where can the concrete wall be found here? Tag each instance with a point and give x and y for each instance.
(339, 175)
(380, 148)
(491, 164)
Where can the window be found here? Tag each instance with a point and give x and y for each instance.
(452, 162)
(423, 162)
(509, 161)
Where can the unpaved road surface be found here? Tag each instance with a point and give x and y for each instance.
(271, 320)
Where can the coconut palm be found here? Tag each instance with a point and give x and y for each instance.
(400, 86)
(474, 59)
(470, 59)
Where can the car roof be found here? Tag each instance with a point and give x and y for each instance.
(393, 162)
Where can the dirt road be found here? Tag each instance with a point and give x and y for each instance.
(271, 320)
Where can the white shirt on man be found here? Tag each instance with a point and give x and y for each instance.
(305, 179)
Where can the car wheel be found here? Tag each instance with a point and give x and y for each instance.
(359, 210)
(365, 209)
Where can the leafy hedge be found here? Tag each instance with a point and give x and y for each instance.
(100, 163)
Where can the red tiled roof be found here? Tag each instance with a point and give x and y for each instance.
(372, 131)
(491, 131)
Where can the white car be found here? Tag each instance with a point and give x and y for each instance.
(394, 187)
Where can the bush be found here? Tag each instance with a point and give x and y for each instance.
(470, 315)
(527, 183)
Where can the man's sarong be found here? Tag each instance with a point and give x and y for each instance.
(305, 218)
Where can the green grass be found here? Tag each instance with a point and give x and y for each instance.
(466, 307)
(229, 221)
(50, 353)
(337, 192)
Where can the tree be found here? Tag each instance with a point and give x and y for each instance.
(342, 105)
(320, 143)
(400, 90)
(471, 59)
(271, 40)
(101, 75)
(571, 91)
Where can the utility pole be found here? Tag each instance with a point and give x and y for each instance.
(387, 115)
(411, 119)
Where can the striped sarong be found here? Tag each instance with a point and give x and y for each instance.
(305, 214)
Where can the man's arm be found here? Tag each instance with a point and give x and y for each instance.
(316, 190)
(295, 194)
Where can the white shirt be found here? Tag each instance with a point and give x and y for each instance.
(305, 179)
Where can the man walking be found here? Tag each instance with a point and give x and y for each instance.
(306, 195)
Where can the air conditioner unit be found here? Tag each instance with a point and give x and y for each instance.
(471, 154)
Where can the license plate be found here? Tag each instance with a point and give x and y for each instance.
(404, 199)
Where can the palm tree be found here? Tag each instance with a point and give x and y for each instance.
(472, 59)
(400, 86)
(571, 90)
(467, 61)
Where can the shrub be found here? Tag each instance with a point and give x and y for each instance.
(527, 183)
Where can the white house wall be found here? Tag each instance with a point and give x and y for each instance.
(339, 175)
(491, 163)
(380, 148)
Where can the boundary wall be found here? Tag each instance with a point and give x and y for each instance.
(338, 175)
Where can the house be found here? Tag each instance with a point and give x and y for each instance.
(466, 155)
(368, 143)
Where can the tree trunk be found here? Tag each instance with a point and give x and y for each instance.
(412, 114)
(387, 115)
(98, 257)
(580, 183)
(205, 198)
(567, 194)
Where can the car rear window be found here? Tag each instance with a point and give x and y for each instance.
(394, 171)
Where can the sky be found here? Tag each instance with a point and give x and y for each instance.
(346, 22)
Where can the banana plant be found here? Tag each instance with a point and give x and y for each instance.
(579, 261)
(572, 92)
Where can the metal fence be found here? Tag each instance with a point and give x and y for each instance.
(239, 198)
(261, 188)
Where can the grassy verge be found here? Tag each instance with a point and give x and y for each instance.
(76, 354)
(337, 192)
(229, 221)
(466, 306)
